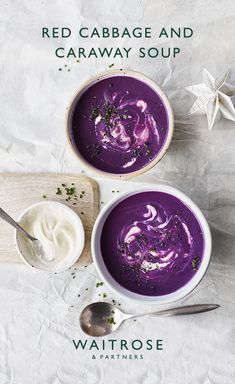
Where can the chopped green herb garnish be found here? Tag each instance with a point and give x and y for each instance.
(110, 320)
(70, 191)
(59, 192)
(104, 295)
(94, 113)
(195, 263)
(111, 65)
(99, 284)
(44, 196)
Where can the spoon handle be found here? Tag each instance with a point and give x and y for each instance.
(186, 310)
(14, 224)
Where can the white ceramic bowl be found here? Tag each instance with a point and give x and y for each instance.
(113, 284)
(151, 84)
(67, 261)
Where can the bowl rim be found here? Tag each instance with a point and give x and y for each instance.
(129, 73)
(81, 229)
(124, 292)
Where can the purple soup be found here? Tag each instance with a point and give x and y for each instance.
(119, 124)
(152, 243)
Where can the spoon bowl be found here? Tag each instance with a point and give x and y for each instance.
(100, 319)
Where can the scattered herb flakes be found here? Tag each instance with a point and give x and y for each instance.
(60, 69)
(59, 192)
(70, 191)
(94, 113)
(87, 289)
(44, 196)
(104, 295)
(79, 295)
(195, 263)
(82, 213)
(63, 185)
(99, 284)
(110, 320)
(111, 65)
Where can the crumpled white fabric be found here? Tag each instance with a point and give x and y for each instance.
(36, 327)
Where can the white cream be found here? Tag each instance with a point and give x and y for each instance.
(60, 236)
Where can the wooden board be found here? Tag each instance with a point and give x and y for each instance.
(18, 191)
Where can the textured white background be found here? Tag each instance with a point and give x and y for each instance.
(35, 327)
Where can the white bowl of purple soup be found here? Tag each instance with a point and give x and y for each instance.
(151, 244)
(120, 123)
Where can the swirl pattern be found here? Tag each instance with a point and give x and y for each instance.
(156, 243)
(125, 124)
(152, 243)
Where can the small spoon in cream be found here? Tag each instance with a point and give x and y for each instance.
(13, 223)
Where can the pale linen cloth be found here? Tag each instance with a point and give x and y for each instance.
(36, 329)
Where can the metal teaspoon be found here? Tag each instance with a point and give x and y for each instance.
(101, 319)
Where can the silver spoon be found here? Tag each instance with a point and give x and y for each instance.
(100, 318)
(14, 224)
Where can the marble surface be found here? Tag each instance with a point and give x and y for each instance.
(36, 326)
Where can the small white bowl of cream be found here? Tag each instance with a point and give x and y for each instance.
(60, 232)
